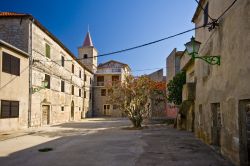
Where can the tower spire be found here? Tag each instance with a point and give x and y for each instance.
(88, 41)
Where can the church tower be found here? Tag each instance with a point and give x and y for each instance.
(87, 53)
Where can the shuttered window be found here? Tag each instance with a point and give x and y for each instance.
(62, 61)
(62, 86)
(47, 50)
(73, 68)
(47, 78)
(10, 64)
(80, 92)
(85, 94)
(9, 109)
(72, 90)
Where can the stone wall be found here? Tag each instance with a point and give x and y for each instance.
(225, 84)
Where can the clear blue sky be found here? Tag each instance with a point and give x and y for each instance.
(115, 25)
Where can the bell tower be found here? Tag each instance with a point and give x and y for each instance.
(87, 53)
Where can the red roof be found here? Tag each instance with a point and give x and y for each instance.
(88, 41)
(12, 14)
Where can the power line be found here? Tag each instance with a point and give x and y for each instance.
(213, 23)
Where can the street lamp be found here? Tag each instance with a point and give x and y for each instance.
(193, 47)
(44, 85)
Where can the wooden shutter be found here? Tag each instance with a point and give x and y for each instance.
(14, 112)
(6, 63)
(62, 86)
(47, 78)
(15, 66)
(47, 47)
(5, 109)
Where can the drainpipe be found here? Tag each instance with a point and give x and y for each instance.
(30, 71)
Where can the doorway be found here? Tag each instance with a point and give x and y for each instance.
(106, 109)
(244, 132)
(72, 111)
(216, 125)
(45, 115)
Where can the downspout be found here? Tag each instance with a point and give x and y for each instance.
(30, 70)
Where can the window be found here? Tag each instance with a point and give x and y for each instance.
(206, 15)
(115, 79)
(11, 64)
(62, 61)
(73, 68)
(85, 77)
(80, 73)
(72, 89)
(85, 56)
(115, 106)
(62, 108)
(47, 50)
(79, 108)
(9, 109)
(100, 80)
(47, 78)
(84, 94)
(62, 86)
(90, 95)
(103, 92)
(90, 80)
(80, 92)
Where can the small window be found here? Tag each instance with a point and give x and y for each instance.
(47, 79)
(62, 108)
(80, 109)
(47, 50)
(85, 56)
(103, 92)
(80, 92)
(62, 86)
(90, 80)
(72, 89)
(62, 61)
(85, 94)
(9, 109)
(73, 68)
(80, 73)
(10, 64)
(85, 77)
(205, 15)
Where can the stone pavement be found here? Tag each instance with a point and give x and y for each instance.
(106, 142)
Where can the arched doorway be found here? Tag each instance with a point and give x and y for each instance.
(72, 110)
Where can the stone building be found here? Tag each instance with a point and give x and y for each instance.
(108, 73)
(222, 103)
(172, 68)
(14, 70)
(59, 84)
(157, 102)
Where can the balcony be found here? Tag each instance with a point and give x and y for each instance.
(100, 84)
(109, 71)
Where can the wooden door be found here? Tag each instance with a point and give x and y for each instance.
(244, 132)
(45, 115)
(72, 110)
(216, 128)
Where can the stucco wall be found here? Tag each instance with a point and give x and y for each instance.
(15, 88)
(228, 83)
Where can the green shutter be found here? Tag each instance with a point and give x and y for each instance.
(47, 50)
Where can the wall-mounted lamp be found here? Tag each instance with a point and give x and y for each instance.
(43, 86)
(193, 47)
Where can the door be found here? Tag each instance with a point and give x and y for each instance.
(244, 132)
(216, 127)
(72, 111)
(45, 114)
(106, 110)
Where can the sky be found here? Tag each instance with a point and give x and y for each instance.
(115, 25)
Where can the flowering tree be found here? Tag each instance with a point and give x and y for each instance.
(132, 97)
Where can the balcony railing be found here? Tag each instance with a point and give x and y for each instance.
(112, 70)
(100, 83)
